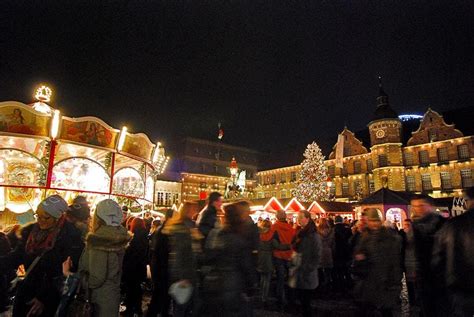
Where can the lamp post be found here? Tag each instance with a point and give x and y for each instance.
(232, 188)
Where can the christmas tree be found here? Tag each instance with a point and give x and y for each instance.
(311, 184)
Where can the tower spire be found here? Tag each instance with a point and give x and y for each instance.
(381, 91)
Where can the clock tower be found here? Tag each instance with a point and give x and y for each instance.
(385, 126)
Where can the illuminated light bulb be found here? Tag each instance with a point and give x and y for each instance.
(55, 124)
(42, 107)
(121, 141)
(43, 94)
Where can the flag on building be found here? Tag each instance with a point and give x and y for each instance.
(340, 151)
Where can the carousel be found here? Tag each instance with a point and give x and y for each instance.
(43, 152)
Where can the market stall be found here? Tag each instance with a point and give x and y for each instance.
(43, 152)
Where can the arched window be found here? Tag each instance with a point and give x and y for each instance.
(128, 181)
(81, 174)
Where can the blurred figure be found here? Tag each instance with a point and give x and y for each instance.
(426, 225)
(229, 273)
(453, 259)
(378, 288)
(5, 276)
(159, 251)
(102, 258)
(154, 226)
(304, 271)
(249, 228)
(185, 247)
(409, 260)
(44, 245)
(283, 234)
(327, 249)
(207, 219)
(342, 255)
(134, 267)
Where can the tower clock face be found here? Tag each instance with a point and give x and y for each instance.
(380, 133)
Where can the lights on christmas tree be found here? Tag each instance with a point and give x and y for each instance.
(312, 182)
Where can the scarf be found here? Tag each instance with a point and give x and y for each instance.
(39, 241)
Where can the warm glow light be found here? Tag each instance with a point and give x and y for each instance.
(43, 94)
(42, 107)
(55, 124)
(121, 141)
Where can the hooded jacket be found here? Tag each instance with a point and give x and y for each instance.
(284, 234)
(102, 259)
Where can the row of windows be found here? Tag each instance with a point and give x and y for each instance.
(446, 181)
(272, 179)
(424, 158)
(166, 198)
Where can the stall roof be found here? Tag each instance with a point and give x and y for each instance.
(387, 197)
(294, 205)
(330, 206)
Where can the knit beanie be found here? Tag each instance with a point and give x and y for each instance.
(80, 200)
(54, 206)
(110, 212)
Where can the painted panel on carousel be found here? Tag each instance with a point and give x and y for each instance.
(89, 130)
(138, 145)
(19, 118)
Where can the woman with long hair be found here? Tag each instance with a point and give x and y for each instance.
(327, 249)
(304, 273)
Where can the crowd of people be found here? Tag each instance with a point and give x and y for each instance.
(78, 264)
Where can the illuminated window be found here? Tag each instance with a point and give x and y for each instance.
(432, 135)
(370, 165)
(383, 160)
(283, 194)
(424, 157)
(283, 177)
(160, 198)
(410, 180)
(466, 178)
(261, 195)
(332, 189)
(446, 180)
(408, 158)
(273, 181)
(345, 188)
(357, 168)
(293, 176)
(426, 182)
(358, 188)
(332, 171)
(344, 169)
(443, 154)
(463, 151)
(371, 186)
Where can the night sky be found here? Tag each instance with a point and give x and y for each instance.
(277, 74)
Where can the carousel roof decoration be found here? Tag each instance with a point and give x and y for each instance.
(294, 205)
(273, 205)
(42, 151)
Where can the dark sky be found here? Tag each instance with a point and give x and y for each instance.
(277, 74)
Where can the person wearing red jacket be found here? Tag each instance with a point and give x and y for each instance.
(283, 234)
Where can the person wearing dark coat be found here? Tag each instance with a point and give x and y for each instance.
(134, 267)
(159, 250)
(342, 255)
(43, 247)
(228, 278)
(453, 259)
(426, 225)
(5, 277)
(304, 270)
(379, 250)
(207, 219)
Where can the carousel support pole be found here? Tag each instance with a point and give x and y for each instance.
(52, 153)
(112, 171)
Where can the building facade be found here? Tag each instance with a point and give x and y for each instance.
(437, 159)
